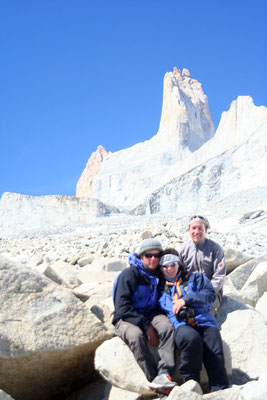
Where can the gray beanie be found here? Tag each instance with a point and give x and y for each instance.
(149, 244)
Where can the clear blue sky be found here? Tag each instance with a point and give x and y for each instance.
(79, 73)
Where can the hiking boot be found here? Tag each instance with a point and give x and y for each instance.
(215, 388)
(162, 393)
(162, 381)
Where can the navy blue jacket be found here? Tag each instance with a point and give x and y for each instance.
(197, 292)
(135, 294)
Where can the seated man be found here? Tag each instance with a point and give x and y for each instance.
(204, 255)
(196, 333)
(136, 320)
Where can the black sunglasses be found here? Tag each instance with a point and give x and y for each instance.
(172, 265)
(197, 216)
(149, 255)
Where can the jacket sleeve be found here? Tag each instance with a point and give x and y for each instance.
(200, 290)
(123, 305)
(165, 305)
(219, 268)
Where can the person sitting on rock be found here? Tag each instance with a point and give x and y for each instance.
(136, 318)
(204, 255)
(186, 299)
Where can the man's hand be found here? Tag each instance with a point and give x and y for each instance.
(152, 336)
(177, 305)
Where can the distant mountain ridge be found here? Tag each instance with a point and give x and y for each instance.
(185, 168)
(140, 177)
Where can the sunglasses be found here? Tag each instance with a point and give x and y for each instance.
(197, 216)
(172, 265)
(149, 255)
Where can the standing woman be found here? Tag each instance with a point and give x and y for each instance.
(195, 329)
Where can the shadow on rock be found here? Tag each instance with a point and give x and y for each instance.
(240, 377)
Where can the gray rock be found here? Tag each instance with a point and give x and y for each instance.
(116, 393)
(45, 331)
(179, 393)
(256, 285)
(50, 273)
(115, 265)
(192, 386)
(146, 234)
(120, 358)
(261, 305)
(253, 390)
(5, 396)
(66, 272)
(241, 274)
(234, 258)
(103, 310)
(85, 260)
(251, 215)
(245, 332)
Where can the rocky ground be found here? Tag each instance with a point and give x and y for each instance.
(117, 235)
(45, 328)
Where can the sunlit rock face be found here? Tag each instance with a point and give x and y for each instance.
(84, 185)
(185, 112)
(126, 177)
(229, 168)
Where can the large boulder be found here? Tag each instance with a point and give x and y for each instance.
(253, 390)
(115, 363)
(256, 285)
(241, 274)
(5, 396)
(234, 258)
(120, 358)
(245, 332)
(261, 305)
(47, 336)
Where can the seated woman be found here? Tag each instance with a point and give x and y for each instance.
(196, 333)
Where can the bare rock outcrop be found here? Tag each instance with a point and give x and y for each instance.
(47, 336)
(22, 213)
(84, 185)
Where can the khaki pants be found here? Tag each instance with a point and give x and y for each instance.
(136, 339)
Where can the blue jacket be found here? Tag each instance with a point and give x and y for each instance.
(197, 292)
(135, 294)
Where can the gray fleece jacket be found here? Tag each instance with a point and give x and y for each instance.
(207, 257)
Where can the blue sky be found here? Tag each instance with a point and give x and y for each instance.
(77, 74)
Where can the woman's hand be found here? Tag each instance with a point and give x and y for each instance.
(177, 305)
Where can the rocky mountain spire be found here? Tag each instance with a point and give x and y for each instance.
(126, 176)
(185, 111)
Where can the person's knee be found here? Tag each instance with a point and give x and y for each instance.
(134, 335)
(162, 325)
(129, 333)
(186, 336)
